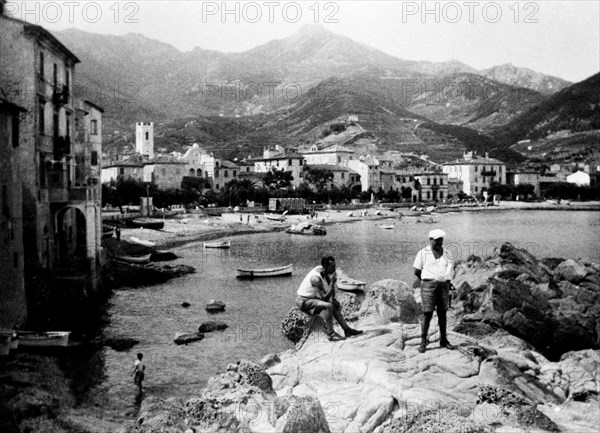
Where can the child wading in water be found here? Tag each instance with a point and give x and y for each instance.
(138, 371)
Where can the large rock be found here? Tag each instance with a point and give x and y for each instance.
(212, 325)
(571, 270)
(182, 338)
(520, 294)
(389, 301)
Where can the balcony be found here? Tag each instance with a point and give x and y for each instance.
(60, 96)
(490, 173)
(62, 146)
(84, 194)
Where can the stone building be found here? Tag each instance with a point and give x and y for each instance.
(12, 279)
(61, 192)
(368, 170)
(335, 155)
(525, 178)
(475, 172)
(291, 162)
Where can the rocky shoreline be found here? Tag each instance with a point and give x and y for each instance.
(378, 382)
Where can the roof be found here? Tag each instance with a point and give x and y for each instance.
(331, 167)
(475, 161)
(329, 149)
(97, 107)
(42, 33)
(279, 157)
(6, 105)
(227, 164)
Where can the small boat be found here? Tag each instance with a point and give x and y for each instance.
(274, 217)
(146, 223)
(139, 241)
(44, 339)
(350, 284)
(4, 344)
(223, 244)
(13, 335)
(138, 260)
(162, 256)
(269, 272)
(386, 226)
(107, 232)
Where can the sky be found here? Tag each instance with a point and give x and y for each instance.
(560, 38)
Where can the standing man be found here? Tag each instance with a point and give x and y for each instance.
(315, 298)
(139, 371)
(434, 268)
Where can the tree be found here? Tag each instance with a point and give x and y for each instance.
(278, 178)
(319, 177)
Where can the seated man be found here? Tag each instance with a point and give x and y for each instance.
(315, 298)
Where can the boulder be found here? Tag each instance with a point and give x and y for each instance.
(183, 338)
(581, 368)
(215, 306)
(303, 415)
(185, 304)
(211, 326)
(570, 270)
(389, 301)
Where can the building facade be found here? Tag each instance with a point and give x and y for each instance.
(476, 173)
(12, 280)
(60, 190)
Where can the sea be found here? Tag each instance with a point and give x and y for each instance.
(254, 308)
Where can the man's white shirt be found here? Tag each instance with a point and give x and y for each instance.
(440, 269)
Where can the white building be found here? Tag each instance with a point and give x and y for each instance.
(368, 169)
(579, 178)
(332, 155)
(475, 172)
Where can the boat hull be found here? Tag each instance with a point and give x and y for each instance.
(44, 339)
(141, 260)
(146, 224)
(217, 244)
(350, 285)
(264, 273)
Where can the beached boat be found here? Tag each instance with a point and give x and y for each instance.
(138, 260)
(4, 344)
(269, 272)
(386, 226)
(13, 335)
(107, 232)
(350, 284)
(44, 338)
(139, 241)
(146, 223)
(162, 256)
(274, 217)
(222, 244)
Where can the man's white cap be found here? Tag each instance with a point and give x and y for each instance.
(436, 234)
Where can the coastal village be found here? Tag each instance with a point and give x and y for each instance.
(53, 166)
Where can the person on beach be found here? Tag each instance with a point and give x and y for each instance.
(434, 269)
(138, 371)
(314, 297)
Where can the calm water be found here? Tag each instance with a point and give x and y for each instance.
(254, 310)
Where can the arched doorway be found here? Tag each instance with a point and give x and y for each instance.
(71, 237)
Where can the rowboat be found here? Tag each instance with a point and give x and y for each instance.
(12, 335)
(138, 260)
(215, 306)
(386, 226)
(273, 217)
(350, 284)
(269, 272)
(146, 223)
(223, 244)
(44, 339)
(139, 241)
(107, 232)
(162, 256)
(4, 345)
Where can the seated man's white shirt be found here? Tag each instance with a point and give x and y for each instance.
(309, 287)
(441, 269)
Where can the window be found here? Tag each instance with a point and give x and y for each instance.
(55, 75)
(428, 181)
(226, 174)
(234, 173)
(67, 78)
(15, 131)
(147, 135)
(428, 195)
(94, 127)
(42, 117)
(476, 189)
(343, 175)
(68, 134)
(441, 181)
(435, 181)
(441, 195)
(42, 66)
(289, 162)
(94, 157)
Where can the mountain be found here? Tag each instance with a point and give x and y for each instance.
(287, 90)
(527, 78)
